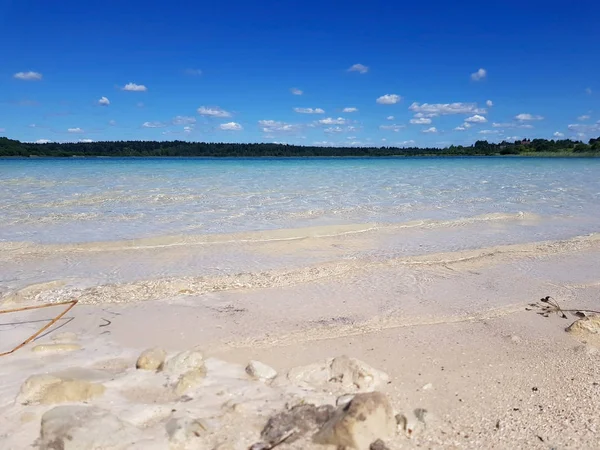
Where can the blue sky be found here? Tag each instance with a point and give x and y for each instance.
(303, 72)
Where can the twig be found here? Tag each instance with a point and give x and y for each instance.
(108, 322)
(71, 304)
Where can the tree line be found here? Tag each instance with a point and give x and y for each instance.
(14, 148)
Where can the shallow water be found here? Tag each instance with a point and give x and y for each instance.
(84, 200)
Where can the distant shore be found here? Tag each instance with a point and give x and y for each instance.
(528, 148)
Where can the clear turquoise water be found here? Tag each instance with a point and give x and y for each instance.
(77, 200)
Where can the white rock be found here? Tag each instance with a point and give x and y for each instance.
(184, 362)
(355, 375)
(68, 391)
(186, 432)
(341, 374)
(84, 427)
(55, 348)
(151, 359)
(260, 371)
(344, 399)
(34, 388)
(190, 380)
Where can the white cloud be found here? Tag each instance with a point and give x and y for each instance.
(28, 76)
(588, 91)
(273, 126)
(188, 129)
(230, 126)
(489, 132)
(524, 117)
(513, 138)
(333, 130)
(420, 115)
(511, 125)
(350, 110)
(183, 120)
(296, 91)
(461, 128)
(103, 101)
(86, 141)
(153, 125)
(558, 134)
(193, 72)
(430, 130)
(420, 121)
(583, 118)
(309, 110)
(476, 119)
(489, 103)
(43, 141)
(332, 121)
(33, 125)
(213, 112)
(75, 130)
(140, 104)
(388, 99)
(447, 108)
(406, 143)
(583, 130)
(360, 68)
(390, 117)
(112, 123)
(135, 87)
(467, 125)
(394, 127)
(479, 75)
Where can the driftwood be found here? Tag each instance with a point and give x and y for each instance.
(71, 304)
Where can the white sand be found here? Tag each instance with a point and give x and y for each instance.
(450, 328)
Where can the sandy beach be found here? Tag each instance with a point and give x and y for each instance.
(444, 335)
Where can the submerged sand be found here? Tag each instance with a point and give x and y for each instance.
(448, 324)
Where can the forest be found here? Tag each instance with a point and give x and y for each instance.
(535, 147)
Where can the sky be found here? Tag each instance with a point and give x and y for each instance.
(352, 73)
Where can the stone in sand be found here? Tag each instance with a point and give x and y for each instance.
(34, 388)
(260, 371)
(190, 380)
(587, 326)
(294, 423)
(184, 362)
(151, 359)
(356, 375)
(82, 427)
(55, 348)
(341, 374)
(184, 431)
(71, 391)
(366, 419)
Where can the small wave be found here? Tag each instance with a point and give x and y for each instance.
(317, 232)
(164, 288)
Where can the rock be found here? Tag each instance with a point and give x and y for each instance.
(151, 359)
(412, 423)
(71, 391)
(516, 339)
(343, 374)
(189, 380)
(344, 399)
(589, 325)
(55, 348)
(427, 387)
(35, 387)
(184, 362)
(294, 423)
(355, 375)
(378, 445)
(360, 423)
(184, 431)
(260, 371)
(83, 427)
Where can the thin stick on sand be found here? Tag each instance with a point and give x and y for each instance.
(71, 304)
